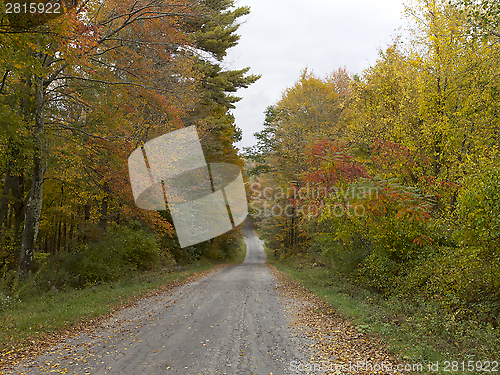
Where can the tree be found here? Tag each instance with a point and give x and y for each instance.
(215, 34)
(483, 16)
(264, 151)
(142, 50)
(31, 14)
(312, 109)
(385, 101)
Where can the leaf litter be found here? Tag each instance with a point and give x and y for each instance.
(321, 333)
(24, 353)
(327, 338)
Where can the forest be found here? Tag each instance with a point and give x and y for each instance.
(387, 181)
(391, 179)
(80, 90)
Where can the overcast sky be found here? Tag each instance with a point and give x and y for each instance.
(282, 37)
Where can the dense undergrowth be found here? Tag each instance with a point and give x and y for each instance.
(417, 323)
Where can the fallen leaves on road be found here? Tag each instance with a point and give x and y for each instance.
(328, 338)
(32, 348)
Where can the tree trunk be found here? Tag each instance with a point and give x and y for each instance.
(19, 209)
(34, 206)
(104, 208)
(4, 200)
(87, 211)
(59, 234)
(14, 185)
(71, 232)
(64, 239)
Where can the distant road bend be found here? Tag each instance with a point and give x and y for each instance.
(230, 322)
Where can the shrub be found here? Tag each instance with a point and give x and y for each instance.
(465, 284)
(478, 212)
(8, 302)
(344, 256)
(224, 247)
(188, 254)
(378, 272)
(122, 250)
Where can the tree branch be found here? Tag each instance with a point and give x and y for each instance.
(117, 83)
(3, 80)
(81, 131)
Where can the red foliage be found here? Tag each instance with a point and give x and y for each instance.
(395, 157)
(331, 164)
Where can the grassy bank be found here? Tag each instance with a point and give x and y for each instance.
(34, 322)
(418, 334)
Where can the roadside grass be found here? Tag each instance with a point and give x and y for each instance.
(415, 333)
(36, 320)
(242, 251)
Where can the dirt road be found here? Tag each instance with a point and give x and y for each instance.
(230, 322)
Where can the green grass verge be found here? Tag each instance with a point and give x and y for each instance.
(414, 335)
(242, 252)
(36, 317)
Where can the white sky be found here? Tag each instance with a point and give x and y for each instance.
(282, 37)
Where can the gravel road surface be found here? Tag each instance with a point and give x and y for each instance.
(230, 322)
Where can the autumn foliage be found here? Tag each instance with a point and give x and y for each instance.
(401, 165)
(78, 93)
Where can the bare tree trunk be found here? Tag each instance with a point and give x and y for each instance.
(4, 200)
(87, 211)
(13, 184)
(59, 234)
(19, 209)
(82, 237)
(71, 232)
(60, 222)
(64, 239)
(34, 206)
(9, 217)
(104, 208)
